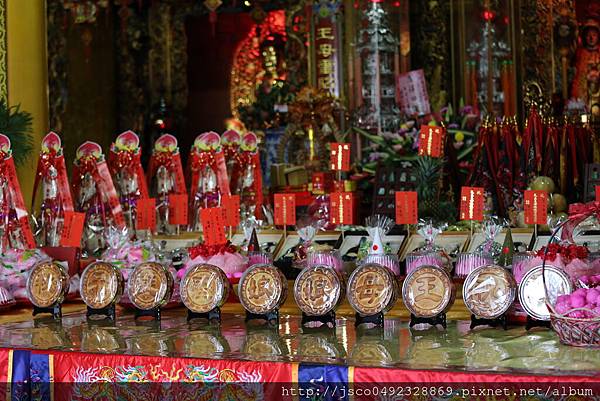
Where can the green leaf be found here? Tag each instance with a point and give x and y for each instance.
(17, 126)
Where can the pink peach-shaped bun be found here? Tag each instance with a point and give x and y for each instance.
(564, 299)
(580, 292)
(562, 308)
(592, 296)
(577, 301)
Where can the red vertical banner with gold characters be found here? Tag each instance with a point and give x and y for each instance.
(431, 141)
(471, 203)
(339, 156)
(285, 209)
(535, 207)
(406, 207)
(342, 208)
(327, 47)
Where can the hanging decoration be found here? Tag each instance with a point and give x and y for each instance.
(212, 6)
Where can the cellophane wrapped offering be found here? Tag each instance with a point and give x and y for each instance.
(247, 177)
(208, 173)
(51, 174)
(490, 248)
(96, 196)
(128, 175)
(226, 256)
(306, 234)
(377, 227)
(15, 232)
(318, 211)
(16, 264)
(522, 263)
(429, 254)
(165, 174)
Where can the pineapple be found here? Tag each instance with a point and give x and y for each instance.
(429, 179)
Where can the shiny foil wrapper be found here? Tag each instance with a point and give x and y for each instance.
(203, 288)
(372, 289)
(47, 284)
(489, 291)
(532, 294)
(318, 290)
(101, 285)
(428, 291)
(262, 289)
(149, 286)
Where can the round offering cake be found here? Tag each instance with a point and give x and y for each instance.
(101, 285)
(204, 288)
(150, 286)
(318, 290)
(372, 289)
(489, 291)
(428, 291)
(262, 289)
(532, 294)
(47, 284)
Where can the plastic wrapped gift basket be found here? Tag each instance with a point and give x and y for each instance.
(575, 317)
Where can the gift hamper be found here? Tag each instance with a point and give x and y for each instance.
(576, 316)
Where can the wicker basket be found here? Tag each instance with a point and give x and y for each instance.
(578, 332)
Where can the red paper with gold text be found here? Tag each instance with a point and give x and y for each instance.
(285, 209)
(72, 229)
(178, 209)
(339, 156)
(342, 208)
(213, 226)
(146, 214)
(231, 206)
(406, 207)
(431, 141)
(535, 206)
(471, 203)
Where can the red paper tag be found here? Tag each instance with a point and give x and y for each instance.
(285, 209)
(340, 156)
(231, 206)
(431, 140)
(72, 231)
(406, 207)
(178, 209)
(146, 214)
(342, 208)
(27, 233)
(536, 207)
(213, 225)
(597, 193)
(471, 203)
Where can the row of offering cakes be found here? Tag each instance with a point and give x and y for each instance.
(112, 191)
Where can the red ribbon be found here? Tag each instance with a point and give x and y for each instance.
(578, 212)
(172, 162)
(104, 185)
(210, 250)
(53, 159)
(8, 170)
(216, 162)
(124, 159)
